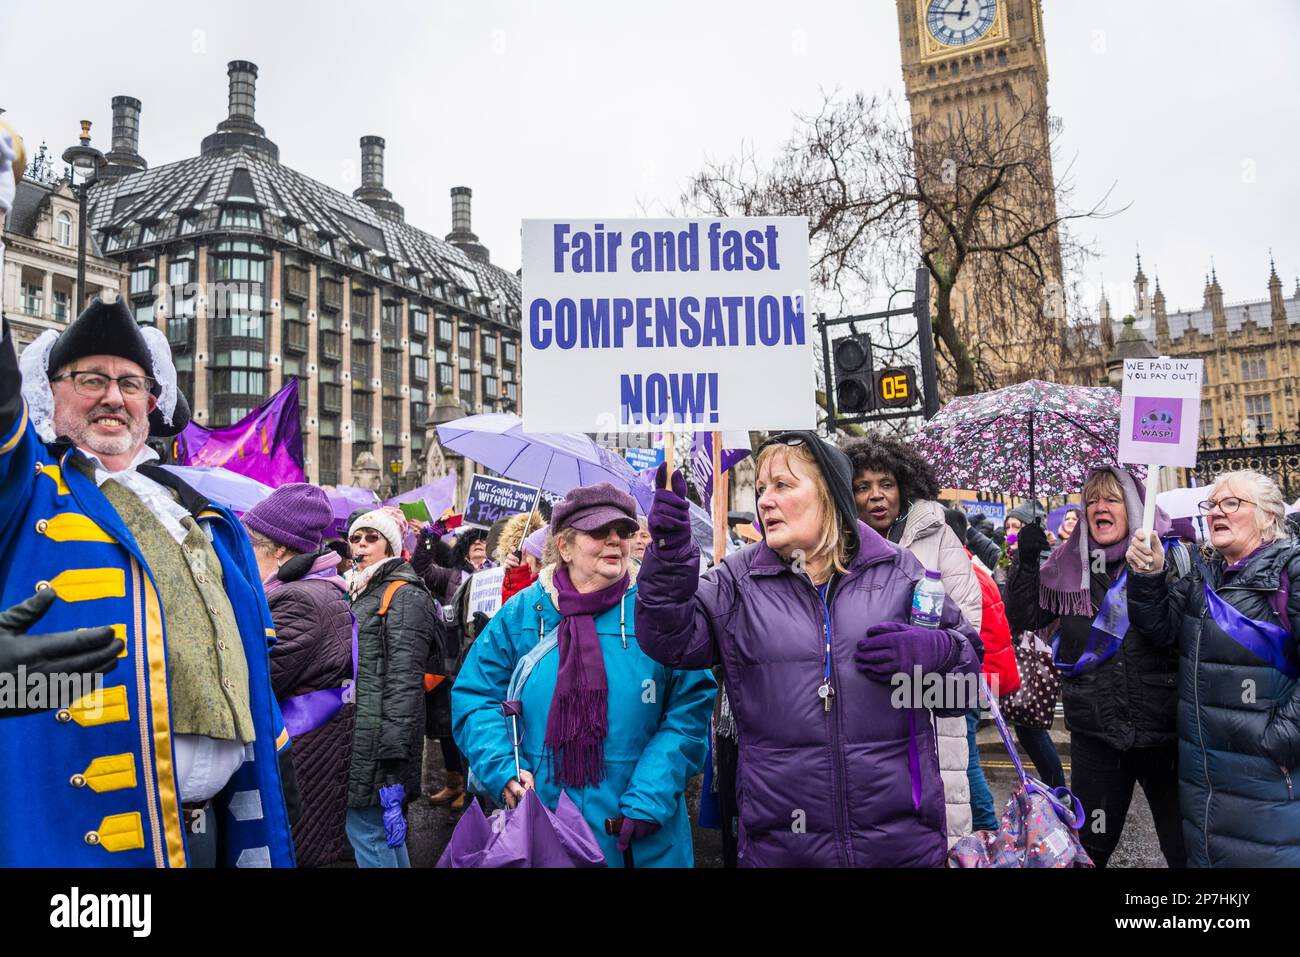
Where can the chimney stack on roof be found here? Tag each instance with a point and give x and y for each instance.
(124, 158)
(239, 129)
(461, 235)
(372, 191)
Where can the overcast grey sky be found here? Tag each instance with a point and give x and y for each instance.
(595, 108)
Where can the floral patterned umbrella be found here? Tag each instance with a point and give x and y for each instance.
(1028, 439)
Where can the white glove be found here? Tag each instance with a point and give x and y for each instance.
(7, 156)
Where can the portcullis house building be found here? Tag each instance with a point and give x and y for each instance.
(257, 272)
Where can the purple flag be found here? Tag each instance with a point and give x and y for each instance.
(702, 462)
(266, 444)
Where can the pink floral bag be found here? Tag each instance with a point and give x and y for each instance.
(1039, 827)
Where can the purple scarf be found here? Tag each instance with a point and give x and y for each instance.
(1065, 579)
(579, 717)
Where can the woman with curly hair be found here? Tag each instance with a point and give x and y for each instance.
(894, 489)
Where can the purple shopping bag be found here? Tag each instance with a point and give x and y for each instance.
(526, 836)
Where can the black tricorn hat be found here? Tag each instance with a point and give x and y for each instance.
(109, 329)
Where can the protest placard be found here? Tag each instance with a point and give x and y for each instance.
(491, 498)
(1159, 419)
(996, 511)
(671, 324)
(642, 459)
(485, 591)
(1160, 411)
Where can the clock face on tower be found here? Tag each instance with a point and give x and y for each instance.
(955, 23)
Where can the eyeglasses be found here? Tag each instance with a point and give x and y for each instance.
(1226, 505)
(94, 384)
(370, 537)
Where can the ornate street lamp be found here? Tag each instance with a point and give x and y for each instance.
(395, 467)
(86, 162)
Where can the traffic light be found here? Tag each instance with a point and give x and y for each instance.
(895, 388)
(853, 380)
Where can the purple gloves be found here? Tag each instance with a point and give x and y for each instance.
(390, 799)
(633, 830)
(894, 647)
(670, 517)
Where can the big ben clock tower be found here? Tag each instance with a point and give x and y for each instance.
(983, 62)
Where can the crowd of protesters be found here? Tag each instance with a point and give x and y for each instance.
(272, 665)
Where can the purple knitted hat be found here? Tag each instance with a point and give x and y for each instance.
(294, 515)
(535, 543)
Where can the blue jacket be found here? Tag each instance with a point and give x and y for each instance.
(658, 723)
(94, 785)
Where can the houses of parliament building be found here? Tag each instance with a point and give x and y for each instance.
(1251, 349)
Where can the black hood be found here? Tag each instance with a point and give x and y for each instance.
(837, 470)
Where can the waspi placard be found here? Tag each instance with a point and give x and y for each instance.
(675, 324)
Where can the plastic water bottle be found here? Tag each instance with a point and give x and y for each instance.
(927, 600)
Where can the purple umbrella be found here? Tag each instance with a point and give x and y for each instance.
(528, 835)
(237, 492)
(555, 461)
(346, 499)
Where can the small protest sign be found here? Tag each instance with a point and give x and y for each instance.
(1160, 411)
(485, 591)
(996, 511)
(491, 499)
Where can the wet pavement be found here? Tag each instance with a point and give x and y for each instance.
(429, 828)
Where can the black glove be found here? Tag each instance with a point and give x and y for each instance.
(478, 623)
(389, 769)
(1032, 542)
(85, 651)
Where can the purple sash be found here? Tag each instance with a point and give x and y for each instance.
(307, 712)
(1105, 634)
(1263, 639)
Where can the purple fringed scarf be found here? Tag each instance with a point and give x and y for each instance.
(579, 718)
(1065, 580)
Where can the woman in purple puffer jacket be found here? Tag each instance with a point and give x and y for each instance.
(810, 626)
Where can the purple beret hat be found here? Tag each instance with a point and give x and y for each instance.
(594, 506)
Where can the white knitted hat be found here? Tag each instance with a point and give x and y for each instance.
(384, 524)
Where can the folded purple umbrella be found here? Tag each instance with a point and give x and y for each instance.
(526, 836)
(390, 799)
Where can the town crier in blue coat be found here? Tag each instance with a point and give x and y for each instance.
(176, 759)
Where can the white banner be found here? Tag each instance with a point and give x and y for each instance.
(671, 324)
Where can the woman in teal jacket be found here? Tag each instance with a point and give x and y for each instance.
(619, 732)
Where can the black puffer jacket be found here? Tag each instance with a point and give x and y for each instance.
(393, 657)
(1128, 702)
(1238, 718)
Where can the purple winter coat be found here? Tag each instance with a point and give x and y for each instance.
(814, 789)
